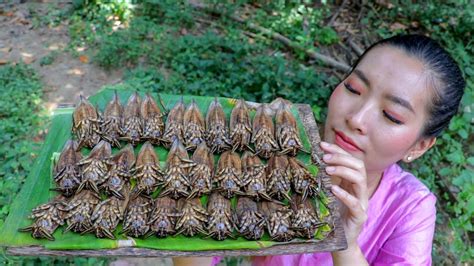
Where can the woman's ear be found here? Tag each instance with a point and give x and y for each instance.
(419, 148)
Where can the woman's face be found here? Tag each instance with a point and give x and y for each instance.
(377, 113)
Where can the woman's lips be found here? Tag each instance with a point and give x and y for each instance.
(345, 142)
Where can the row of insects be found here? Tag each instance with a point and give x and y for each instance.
(83, 181)
(141, 121)
(164, 216)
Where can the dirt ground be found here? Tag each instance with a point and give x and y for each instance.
(22, 41)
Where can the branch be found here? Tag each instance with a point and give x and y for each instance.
(356, 48)
(278, 37)
(336, 14)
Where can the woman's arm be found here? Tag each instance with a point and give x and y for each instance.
(353, 193)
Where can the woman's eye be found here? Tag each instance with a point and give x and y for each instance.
(351, 89)
(391, 118)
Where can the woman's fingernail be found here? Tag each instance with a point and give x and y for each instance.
(330, 169)
(327, 157)
(324, 144)
(336, 188)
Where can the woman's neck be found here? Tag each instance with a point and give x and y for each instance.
(373, 181)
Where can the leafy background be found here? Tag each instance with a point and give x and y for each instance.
(169, 46)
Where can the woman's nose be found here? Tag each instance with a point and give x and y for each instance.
(358, 119)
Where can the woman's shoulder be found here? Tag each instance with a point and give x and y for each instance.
(401, 192)
(405, 219)
(401, 213)
(403, 183)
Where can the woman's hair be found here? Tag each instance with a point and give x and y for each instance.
(444, 76)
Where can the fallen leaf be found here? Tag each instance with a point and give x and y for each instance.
(38, 138)
(398, 26)
(415, 24)
(75, 71)
(5, 49)
(385, 3)
(28, 59)
(81, 49)
(84, 59)
(23, 21)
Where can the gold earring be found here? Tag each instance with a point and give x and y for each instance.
(409, 158)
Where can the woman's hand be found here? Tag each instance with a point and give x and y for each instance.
(352, 191)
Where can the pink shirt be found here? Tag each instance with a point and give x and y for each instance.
(399, 229)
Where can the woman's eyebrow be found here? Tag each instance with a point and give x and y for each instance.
(400, 101)
(362, 77)
(390, 97)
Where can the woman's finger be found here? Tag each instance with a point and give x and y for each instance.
(344, 160)
(332, 148)
(356, 207)
(352, 176)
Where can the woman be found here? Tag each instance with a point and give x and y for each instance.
(398, 98)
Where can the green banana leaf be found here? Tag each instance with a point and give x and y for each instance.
(36, 189)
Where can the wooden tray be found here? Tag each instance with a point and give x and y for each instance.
(128, 247)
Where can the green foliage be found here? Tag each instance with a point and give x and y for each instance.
(447, 169)
(211, 64)
(300, 22)
(205, 64)
(20, 113)
(234, 261)
(49, 58)
(22, 118)
(51, 17)
(121, 9)
(169, 12)
(128, 45)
